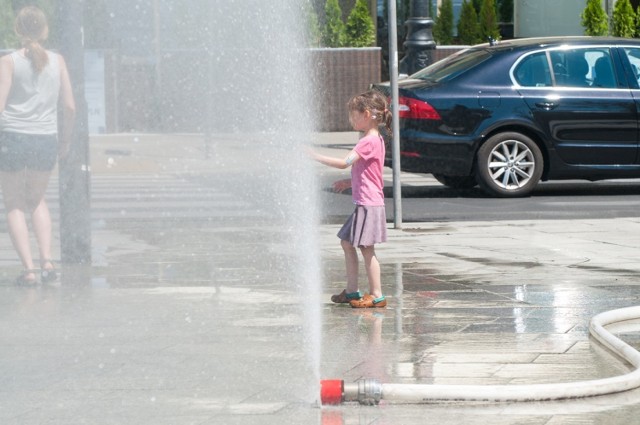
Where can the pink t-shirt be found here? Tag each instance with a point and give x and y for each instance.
(366, 173)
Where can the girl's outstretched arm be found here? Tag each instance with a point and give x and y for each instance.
(341, 163)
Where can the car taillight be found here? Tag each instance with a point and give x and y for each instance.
(416, 109)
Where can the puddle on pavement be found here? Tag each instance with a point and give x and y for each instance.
(448, 330)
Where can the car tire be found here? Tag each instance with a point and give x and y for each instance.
(457, 182)
(509, 165)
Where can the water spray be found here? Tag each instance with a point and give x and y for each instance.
(371, 392)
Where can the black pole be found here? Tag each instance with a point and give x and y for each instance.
(74, 169)
(419, 42)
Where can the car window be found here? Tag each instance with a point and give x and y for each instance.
(533, 71)
(633, 54)
(452, 66)
(586, 67)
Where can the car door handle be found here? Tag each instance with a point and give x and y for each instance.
(547, 105)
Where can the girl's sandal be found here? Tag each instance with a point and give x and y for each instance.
(344, 297)
(48, 275)
(369, 302)
(25, 280)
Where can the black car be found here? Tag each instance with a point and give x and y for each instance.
(508, 115)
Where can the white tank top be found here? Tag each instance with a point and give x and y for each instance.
(32, 104)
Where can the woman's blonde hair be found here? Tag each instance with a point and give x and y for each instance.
(374, 102)
(32, 28)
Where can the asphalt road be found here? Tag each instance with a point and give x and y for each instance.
(551, 200)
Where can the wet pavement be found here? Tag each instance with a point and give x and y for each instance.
(195, 311)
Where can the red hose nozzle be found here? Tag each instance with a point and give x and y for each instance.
(331, 391)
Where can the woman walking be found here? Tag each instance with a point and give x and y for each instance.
(33, 82)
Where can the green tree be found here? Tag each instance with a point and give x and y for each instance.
(8, 37)
(314, 31)
(637, 21)
(403, 14)
(334, 29)
(594, 19)
(623, 20)
(477, 5)
(360, 29)
(443, 28)
(488, 22)
(468, 27)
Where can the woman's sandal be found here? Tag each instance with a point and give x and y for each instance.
(48, 275)
(24, 280)
(344, 297)
(369, 302)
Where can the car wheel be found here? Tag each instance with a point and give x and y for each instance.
(457, 182)
(509, 165)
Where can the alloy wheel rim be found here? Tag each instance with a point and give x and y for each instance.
(511, 165)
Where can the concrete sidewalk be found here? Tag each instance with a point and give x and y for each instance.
(190, 313)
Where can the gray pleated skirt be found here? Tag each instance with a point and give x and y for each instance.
(367, 226)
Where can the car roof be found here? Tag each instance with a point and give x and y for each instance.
(535, 42)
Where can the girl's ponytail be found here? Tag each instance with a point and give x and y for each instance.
(383, 111)
(387, 119)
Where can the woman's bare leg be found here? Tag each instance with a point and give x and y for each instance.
(36, 185)
(13, 192)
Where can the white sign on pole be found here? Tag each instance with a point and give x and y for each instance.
(94, 90)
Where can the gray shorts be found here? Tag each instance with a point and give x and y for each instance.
(37, 152)
(367, 226)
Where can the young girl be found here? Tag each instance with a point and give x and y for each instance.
(367, 225)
